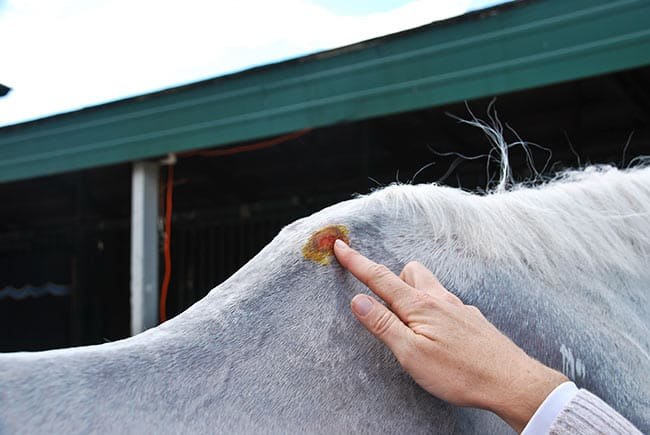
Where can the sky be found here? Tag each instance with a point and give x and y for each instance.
(63, 55)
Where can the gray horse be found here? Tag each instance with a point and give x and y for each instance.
(563, 269)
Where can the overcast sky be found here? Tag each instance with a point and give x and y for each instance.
(62, 55)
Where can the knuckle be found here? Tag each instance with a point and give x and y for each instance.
(414, 301)
(421, 299)
(402, 306)
(377, 273)
(383, 323)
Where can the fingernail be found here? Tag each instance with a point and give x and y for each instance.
(362, 304)
(340, 244)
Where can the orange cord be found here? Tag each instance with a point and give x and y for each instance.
(167, 244)
(251, 147)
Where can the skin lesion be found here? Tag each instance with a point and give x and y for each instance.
(320, 246)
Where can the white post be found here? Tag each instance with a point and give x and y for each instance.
(144, 246)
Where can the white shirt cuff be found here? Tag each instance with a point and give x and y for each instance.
(541, 421)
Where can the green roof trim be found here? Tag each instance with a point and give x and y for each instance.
(511, 47)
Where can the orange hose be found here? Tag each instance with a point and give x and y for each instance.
(167, 243)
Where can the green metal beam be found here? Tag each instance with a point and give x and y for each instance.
(512, 47)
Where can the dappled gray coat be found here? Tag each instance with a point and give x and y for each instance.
(563, 269)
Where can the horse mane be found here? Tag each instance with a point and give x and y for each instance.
(577, 222)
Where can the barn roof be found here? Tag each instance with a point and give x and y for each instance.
(510, 47)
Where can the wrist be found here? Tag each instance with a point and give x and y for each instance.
(525, 393)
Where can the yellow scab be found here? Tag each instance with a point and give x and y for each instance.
(320, 246)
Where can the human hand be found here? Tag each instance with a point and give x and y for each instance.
(449, 348)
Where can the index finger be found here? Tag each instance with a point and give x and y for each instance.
(376, 277)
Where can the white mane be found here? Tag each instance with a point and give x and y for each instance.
(565, 224)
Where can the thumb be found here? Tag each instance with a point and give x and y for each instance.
(382, 323)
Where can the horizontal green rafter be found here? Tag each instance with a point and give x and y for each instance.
(512, 47)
